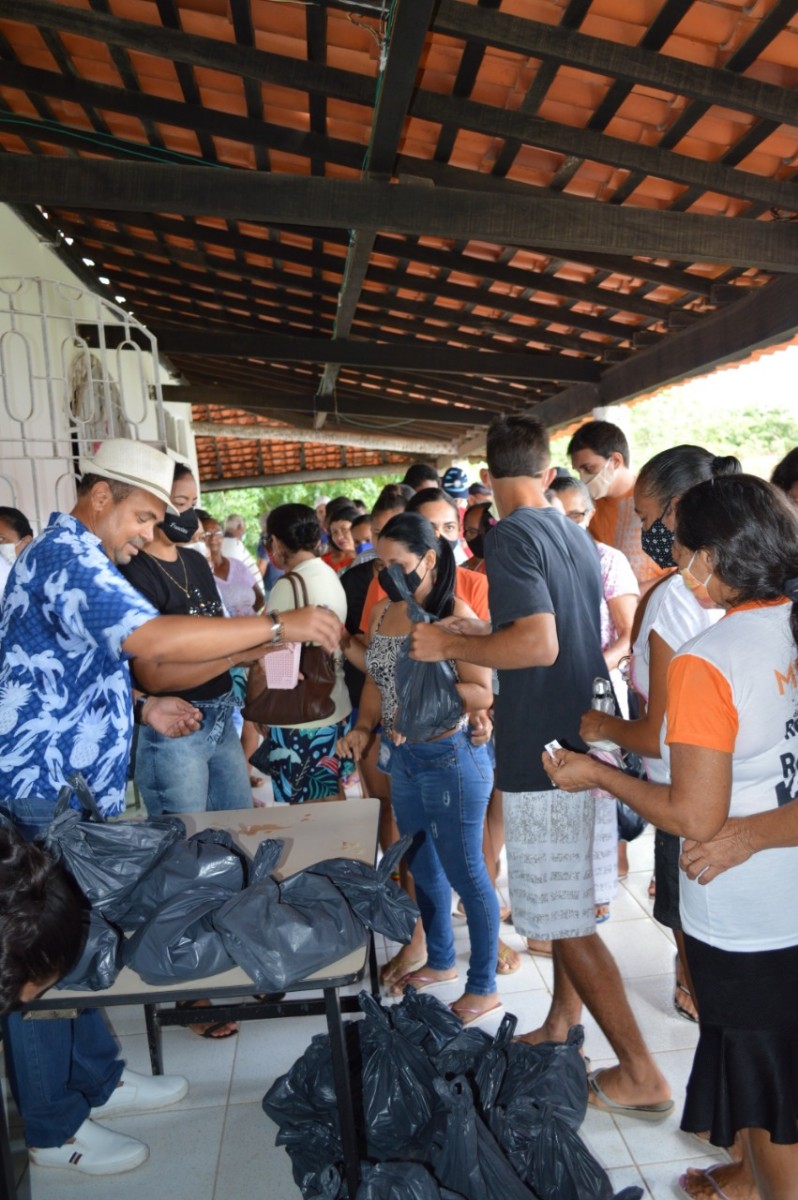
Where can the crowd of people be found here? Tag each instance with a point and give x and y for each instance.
(676, 587)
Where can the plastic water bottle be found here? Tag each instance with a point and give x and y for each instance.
(603, 701)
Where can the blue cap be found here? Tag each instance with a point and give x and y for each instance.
(455, 482)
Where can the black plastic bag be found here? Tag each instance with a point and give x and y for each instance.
(550, 1156)
(491, 1067)
(281, 932)
(549, 1073)
(315, 1151)
(399, 1100)
(306, 1093)
(107, 859)
(425, 1021)
(461, 1055)
(206, 857)
(377, 900)
(179, 941)
(428, 703)
(100, 960)
(399, 1181)
(465, 1156)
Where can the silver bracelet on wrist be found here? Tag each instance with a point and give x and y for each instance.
(277, 627)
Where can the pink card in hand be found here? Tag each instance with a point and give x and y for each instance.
(282, 666)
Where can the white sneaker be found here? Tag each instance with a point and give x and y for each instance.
(141, 1093)
(95, 1151)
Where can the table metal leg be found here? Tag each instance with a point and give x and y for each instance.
(343, 1090)
(8, 1186)
(374, 974)
(154, 1038)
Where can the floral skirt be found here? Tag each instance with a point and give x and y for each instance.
(302, 763)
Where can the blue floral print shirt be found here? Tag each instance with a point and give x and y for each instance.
(65, 691)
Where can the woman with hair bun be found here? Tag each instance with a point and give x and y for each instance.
(732, 700)
(439, 787)
(301, 759)
(667, 617)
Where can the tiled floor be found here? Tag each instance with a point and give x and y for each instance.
(218, 1145)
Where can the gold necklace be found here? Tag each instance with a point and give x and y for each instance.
(184, 585)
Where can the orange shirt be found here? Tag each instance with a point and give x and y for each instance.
(339, 566)
(469, 587)
(616, 523)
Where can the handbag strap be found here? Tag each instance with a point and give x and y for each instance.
(298, 584)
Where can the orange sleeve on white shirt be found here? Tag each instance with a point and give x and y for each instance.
(701, 710)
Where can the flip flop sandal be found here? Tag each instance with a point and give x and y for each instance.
(642, 1112)
(211, 1029)
(683, 1180)
(505, 965)
(421, 983)
(678, 987)
(680, 1008)
(395, 968)
(473, 1016)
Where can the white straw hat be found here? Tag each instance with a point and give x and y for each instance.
(134, 463)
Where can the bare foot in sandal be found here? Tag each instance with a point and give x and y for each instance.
(424, 980)
(213, 1030)
(732, 1180)
(509, 960)
(403, 963)
(472, 1009)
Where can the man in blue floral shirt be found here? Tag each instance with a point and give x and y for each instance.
(70, 623)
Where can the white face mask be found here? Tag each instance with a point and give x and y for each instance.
(8, 551)
(599, 484)
(200, 547)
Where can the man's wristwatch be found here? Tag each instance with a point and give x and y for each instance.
(277, 627)
(138, 710)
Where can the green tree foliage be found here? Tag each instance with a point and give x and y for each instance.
(251, 502)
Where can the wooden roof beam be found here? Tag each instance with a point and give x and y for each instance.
(196, 51)
(263, 399)
(375, 356)
(407, 33)
(535, 39)
(537, 221)
(766, 316)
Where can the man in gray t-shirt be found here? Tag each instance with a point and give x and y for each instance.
(545, 591)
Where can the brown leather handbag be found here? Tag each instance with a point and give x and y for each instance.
(311, 699)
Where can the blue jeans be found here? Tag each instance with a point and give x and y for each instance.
(440, 792)
(58, 1070)
(202, 772)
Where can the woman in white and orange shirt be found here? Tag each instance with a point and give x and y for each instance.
(732, 715)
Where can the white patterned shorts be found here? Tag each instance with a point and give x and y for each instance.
(549, 837)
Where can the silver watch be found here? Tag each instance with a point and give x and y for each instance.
(277, 627)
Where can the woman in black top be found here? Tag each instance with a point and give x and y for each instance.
(206, 770)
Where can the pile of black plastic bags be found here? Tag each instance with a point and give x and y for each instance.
(442, 1112)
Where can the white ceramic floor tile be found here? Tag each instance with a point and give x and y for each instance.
(207, 1065)
(267, 1049)
(624, 1177)
(250, 1165)
(638, 947)
(184, 1153)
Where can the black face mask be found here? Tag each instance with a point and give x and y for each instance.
(398, 586)
(657, 543)
(180, 527)
(477, 545)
